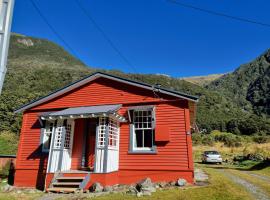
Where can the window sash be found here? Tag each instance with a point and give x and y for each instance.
(143, 120)
(46, 136)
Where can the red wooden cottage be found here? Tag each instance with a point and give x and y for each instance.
(105, 129)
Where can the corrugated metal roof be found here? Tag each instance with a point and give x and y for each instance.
(108, 109)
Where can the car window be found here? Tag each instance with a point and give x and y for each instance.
(211, 153)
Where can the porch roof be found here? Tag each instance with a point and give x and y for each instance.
(84, 112)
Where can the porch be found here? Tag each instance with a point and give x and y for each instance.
(82, 143)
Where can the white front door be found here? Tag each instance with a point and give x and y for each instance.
(61, 146)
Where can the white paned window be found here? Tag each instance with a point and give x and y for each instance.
(102, 131)
(67, 136)
(46, 137)
(58, 137)
(113, 133)
(143, 131)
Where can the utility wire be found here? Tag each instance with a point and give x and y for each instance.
(218, 13)
(106, 37)
(52, 28)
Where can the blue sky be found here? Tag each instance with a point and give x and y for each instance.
(154, 35)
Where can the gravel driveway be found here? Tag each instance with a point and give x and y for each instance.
(254, 190)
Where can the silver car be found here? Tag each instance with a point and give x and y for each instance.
(211, 157)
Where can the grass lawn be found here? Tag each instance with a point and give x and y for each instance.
(220, 188)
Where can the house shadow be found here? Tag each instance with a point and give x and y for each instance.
(37, 154)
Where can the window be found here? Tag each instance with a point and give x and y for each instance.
(142, 129)
(46, 136)
(113, 133)
(62, 126)
(102, 132)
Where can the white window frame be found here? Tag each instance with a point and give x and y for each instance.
(143, 127)
(45, 135)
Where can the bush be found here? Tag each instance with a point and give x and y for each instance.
(5, 170)
(229, 139)
(261, 138)
(208, 140)
(8, 142)
(204, 139)
(196, 138)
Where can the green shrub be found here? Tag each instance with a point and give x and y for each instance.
(208, 139)
(8, 142)
(229, 139)
(261, 138)
(5, 170)
(196, 138)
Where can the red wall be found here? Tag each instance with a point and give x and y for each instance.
(172, 156)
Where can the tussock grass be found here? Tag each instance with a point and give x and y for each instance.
(229, 152)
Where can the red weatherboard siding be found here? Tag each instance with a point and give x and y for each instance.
(101, 91)
(172, 155)
(173, 159)
(31, 163)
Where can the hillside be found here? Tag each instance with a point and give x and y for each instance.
(248, 86)
(202, 80)
(37, 67)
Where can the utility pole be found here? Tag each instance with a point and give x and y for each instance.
(6, 12)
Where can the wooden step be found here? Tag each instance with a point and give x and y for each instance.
(70, 178)
(67, 183)
(62, 190)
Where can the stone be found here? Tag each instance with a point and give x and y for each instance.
(96, 187)
(172, 183)
(162, 184)
(148, 190)
(7, 188)
(181, 182)
(145, 183)
(132, 190)
(200, 175)
(146, 187)
(108, 189)
(139, 194)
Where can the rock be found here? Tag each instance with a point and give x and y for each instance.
(7, 188)
(200, 175)
(120, 188)
(148, 190)
(139, 194)
(162, 184)
(96, 187)
(172, 183)
(132, 190)
(145, 183)
(108, 189)
(146, 187)
(181, 182)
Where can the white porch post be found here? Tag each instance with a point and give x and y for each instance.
(51, 147)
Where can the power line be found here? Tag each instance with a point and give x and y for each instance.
(106, 37)
(218, 13)
(51, 27)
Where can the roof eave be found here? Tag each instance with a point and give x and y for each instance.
(95, 76)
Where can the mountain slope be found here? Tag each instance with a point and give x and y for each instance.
(248, 86)
(202, 80)
(37, 67)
